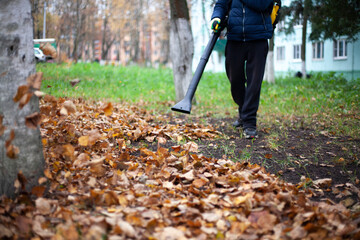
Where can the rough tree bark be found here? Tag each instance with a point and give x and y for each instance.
(269, 75)
(306, 15)
(16, 65)
(181, 46)
(303, 47)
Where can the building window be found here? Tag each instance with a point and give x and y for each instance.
(318, 50)
(280, 53)
(297, 52)
(340, 49)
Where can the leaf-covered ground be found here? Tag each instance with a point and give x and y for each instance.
(119, 172)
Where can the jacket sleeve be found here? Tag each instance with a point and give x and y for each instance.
(258, 5)
(220, 9)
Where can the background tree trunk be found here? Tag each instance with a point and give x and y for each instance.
(269, 69)
(17, 62)
(306, 16)
(181, 46)
(303, 47)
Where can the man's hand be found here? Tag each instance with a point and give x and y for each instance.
(215, 24)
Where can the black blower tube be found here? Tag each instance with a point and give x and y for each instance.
(184, 106)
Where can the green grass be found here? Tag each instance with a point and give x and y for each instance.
(131, 84)
(326, 101)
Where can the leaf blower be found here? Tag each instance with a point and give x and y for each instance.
(184, 106)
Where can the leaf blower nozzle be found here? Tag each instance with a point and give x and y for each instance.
(184, 106)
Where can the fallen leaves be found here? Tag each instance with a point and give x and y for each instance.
(12, 151)
(33, 120)
(103, 183)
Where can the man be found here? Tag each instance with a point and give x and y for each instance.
(249, 27)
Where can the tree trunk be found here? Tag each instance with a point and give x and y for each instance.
(303, 43)
(303, 48)
(77, 31)
(181, 46)
(269, 70)
(17, 63)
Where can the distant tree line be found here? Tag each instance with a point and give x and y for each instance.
(78, 24)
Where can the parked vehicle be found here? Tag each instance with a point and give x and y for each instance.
(39, 55)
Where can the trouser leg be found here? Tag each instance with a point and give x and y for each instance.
(235, 70)
(255, 67)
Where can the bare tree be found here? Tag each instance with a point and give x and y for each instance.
(20, 146)
(181, 46)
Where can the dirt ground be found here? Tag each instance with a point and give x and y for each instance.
(326, 165)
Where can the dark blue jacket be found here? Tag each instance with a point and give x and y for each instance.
(248, 19)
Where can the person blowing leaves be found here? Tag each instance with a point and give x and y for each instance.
(249, 27)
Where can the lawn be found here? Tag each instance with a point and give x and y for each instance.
(324, 101)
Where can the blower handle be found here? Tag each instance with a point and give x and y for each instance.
(201, 66)
(184, 106)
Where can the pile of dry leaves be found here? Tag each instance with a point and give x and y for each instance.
(99, 185)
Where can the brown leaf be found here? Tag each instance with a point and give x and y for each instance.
(170, 233)
(21, 92)
(96, 167)
(39, 94)
(68, 151)
(325, 182)
(64, 112)
(150, 138)
(81, 160)
(126, 228)
(176, 148)
(12, 151)
(43, 206)
(69, 106)
(25, 100)
(34, 80)
(239, 227)
(161, 140)
(5, 232)
(94, 136)
(33, 120)
(111, 198)
(74, 82)
(67, 231)
(37, 227)
(200, 182)
(24, 224)
(188, 175)
(348, 202)
(297, 232)
(168, 185)
(191, 147)
(38, 191)
(108, 109)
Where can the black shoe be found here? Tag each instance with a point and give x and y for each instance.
(238, 123)
(250, 133)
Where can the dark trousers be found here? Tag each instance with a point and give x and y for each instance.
(245, 66)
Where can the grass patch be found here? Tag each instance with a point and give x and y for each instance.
(324, 102)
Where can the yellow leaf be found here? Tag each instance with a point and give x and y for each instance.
(84, 141)
(241, 199)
